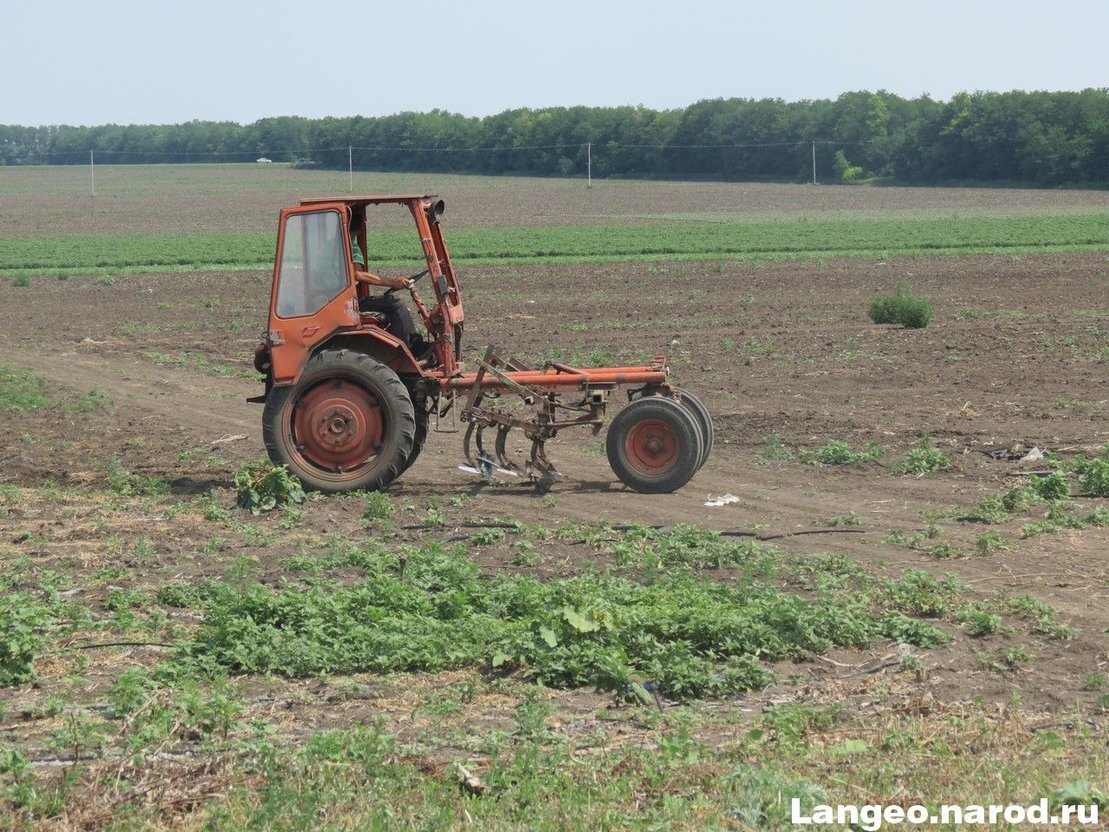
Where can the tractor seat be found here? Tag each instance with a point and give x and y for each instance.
(377, 318)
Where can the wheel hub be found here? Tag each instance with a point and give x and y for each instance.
(338, 426)
(652, 446)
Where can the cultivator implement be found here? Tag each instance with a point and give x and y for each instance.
(540, 391)
(348, 403)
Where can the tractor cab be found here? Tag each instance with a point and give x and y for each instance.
(315, 294)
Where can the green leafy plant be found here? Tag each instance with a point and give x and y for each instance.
(838, 452)
(761, 348)
(775, 450)
(901, 307)
(999, 509)
(1093, 474)
(687, 546)
(992, 542)
(1052, 487)
(1079, 793)
(791, 723)
(1043, 616)
(488, 537)
(127, 484)
(850, 519)
(1060, 516)
(1007, 660)
(846, 171)
(979, 620)
(21, 618)
(434, 516)
(262, 486)
(378, 506)
(923, 459)
(1017, 654)
(214, 512)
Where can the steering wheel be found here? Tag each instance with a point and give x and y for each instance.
(414, 278)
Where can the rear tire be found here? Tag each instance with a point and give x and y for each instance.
(348, 423)
(695, 406)
(418, 439)
(654, 445)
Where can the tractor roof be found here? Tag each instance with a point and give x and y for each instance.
(401, 199)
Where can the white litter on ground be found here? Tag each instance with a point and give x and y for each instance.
(722, 500)
(1034, 455)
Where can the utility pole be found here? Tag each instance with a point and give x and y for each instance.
(589, 164)
(350, 166)
(814, 162)
(92, 174)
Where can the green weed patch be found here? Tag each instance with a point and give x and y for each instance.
(426, 609)
(261, 486)
(838, 452)
(21, 619)
(21, 390)
(901, 307)
(688, 546)
(923, 459)
(1093, 474)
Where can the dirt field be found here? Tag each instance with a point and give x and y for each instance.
(150, 375)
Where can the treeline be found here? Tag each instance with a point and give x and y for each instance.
(1040, 138)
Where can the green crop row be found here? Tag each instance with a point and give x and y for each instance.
(797, 239)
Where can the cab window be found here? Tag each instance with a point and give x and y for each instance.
(314, 264)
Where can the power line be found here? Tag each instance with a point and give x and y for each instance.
(302, 152)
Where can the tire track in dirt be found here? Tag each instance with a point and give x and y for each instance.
(206, 405)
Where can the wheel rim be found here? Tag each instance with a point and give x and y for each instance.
(338, 427)
(651, 446)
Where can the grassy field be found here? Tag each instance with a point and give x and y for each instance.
(196, 218)
(574, 244)
(893, 611)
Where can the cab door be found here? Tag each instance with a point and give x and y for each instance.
(313, 287)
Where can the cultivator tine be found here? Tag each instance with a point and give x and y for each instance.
(486, 463)
(501, 452)
(474, 465)
(466, 439)
(479, 462)
(540, 468)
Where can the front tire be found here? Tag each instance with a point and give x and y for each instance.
(654, 445)
(348, 423)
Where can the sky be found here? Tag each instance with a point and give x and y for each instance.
(163, 62)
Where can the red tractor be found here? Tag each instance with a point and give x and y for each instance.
(348, 405)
